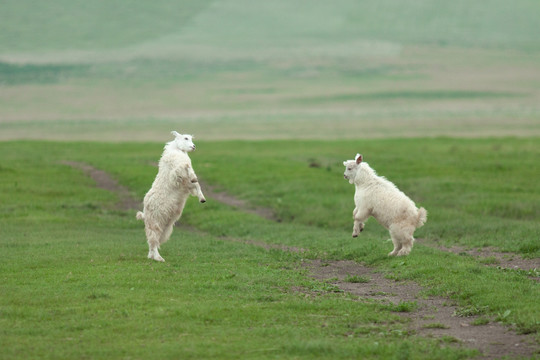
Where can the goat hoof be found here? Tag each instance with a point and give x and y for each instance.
(157, 258)
(202, 201)
(355, 235)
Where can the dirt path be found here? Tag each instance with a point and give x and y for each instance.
(429, 317)
(107, 182)
(497, 258)
(433, 317)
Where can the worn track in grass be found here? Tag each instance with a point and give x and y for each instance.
(496, 258)
(432, 316)
(105, 181)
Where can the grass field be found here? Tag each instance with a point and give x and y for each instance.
(440, 97)
(75, 273)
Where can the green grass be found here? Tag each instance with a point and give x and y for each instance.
(461, 179)
(471, 311)
(75, 274)
(435, 326)
(403, 306)
(356, 279)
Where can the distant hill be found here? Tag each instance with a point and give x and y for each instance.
(73, 31)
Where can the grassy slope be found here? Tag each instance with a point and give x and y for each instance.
(281, 24)
(81, 25)
(75, 271)
(243, 69)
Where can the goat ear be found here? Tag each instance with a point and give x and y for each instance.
(175, 133)
(344, 163)
(358, 159)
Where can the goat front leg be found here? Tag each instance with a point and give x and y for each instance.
(195, 190)
(195, 187)
(192, 183)
(359, 216)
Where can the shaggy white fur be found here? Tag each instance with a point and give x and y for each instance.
(164, 202)
(376, 196)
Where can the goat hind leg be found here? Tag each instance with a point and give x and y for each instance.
(153, 236)
(166, 234)
(395, 235)
(407, 244)
(402, 239)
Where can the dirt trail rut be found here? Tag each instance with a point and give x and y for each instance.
(433, 317)
(107, 182)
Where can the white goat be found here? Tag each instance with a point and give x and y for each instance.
(164, 202)
(376, 196)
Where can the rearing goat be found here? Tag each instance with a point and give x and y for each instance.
(376, 196)
(164, 202)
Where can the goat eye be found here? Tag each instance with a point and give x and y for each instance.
(185, 138)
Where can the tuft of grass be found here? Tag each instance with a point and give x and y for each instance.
(530, 247)
(480, 321)
(403, 306)
(531, 328)
(357, 279)
(471, 310)
(449, 339)
(436, 326)
(491, 260)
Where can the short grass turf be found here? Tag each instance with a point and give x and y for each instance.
(75, 280)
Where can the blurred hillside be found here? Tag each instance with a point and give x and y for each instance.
(120, 70)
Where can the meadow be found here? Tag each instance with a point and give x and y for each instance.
(76, 281)
(442, 98)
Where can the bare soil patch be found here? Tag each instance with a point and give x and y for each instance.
(433, 317)
(107, 182)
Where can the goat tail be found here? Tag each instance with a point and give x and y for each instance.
(422, 217)
(140, 215)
